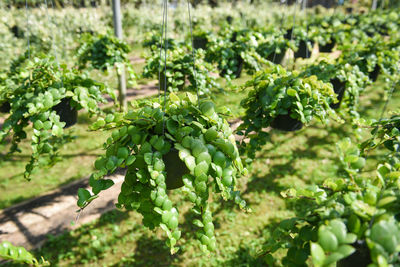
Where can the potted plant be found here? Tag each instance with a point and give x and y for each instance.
(273, 47)
(104, 53)
(34, 102)
(179, 70)
(283, 100)
(200, 38)
(324, 29)
(152, 41)
(349, 220)
(300, 39)
(374, 56)
(147, 141)
(11, 79)
(234, 51)
(347, 80)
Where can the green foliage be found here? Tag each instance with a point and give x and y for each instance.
(33, 102)
(233, 50)
(144, 140)
(19, 255)
(276, 92)
(104, 53)
(348, 216)
(353, 79)
(179, 69)
(375, 53)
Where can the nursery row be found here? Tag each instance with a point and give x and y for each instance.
(183, 142)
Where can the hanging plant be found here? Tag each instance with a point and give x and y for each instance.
(104, 53)
(350, 220)
(187, 145)
(323, 30)
(11, 80)
(34, 103)
(152, 41)
(284, 100)
(347, 81)
(273, 47)
(234, 51)
(180, 69)
(302, 40)
(375, 56)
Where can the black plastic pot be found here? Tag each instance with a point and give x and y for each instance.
(67, 114)
(373, 75)
(303, 51)
(200, 42)
(277, 57)
(288, 34)
(327, 48)
(360, 258)
(175, 168)
(286, 123)
(339, 87)
(5, 107)
(238, 72)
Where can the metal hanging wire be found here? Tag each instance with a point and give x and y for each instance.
(161, 45)
(193, 54)
(27, 29)
(52, 34)
(164, 29)
(281, 3)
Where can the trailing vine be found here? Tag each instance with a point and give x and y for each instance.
(188, 145)
(34, 104)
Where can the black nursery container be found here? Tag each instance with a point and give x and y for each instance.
(200, 42)
(5, 107)
(373, 75)
(327, 48)
(175, 168)
(360, 258)
(303, 51)
(67, 114)
(238, 72)
(288, 34)
(286, 123)
(277, 57)
(339, 87)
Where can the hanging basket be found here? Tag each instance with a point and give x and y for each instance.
(5, 107)
(286, 123)
(339, 87)
(200, 42)
(373, 75)
(360, 258)
(288, 34)
(303, 51)
(327, 48)
(277, 57)
(175, 168)
(67, 114)
(238, 71)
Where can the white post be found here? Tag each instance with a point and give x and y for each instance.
(116, 7)
(374, 4)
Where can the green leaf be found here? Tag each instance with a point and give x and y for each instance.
(291, 92)
(317, 254)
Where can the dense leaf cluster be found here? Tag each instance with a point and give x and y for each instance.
(189, 145)
(33, 101)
